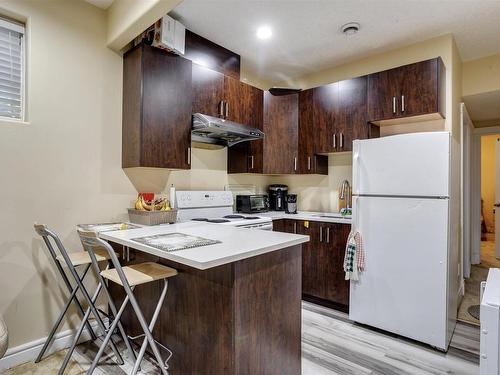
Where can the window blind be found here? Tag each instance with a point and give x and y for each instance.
(11, 70)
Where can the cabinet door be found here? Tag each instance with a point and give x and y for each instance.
(336, 287)
(285, 225)
(308, 161)
(313, 260)
(309, 263)
(418, 94)
(244, 104)
(166, 110)
(208, 91)
(351, 116)
(383, 91)
(281, 130)
(325, 100)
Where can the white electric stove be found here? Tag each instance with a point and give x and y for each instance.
(216, 207)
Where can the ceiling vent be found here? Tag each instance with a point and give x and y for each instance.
(350, 28)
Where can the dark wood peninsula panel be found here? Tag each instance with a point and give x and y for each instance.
(240, 318)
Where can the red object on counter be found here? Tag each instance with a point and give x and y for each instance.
(148, 197)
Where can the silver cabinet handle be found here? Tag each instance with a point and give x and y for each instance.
(295, 163)
(309, 163)
(393, 104)
(328, 235)
(251, 162)
(123, 252)
(334, 141)
(189, 155)
(295, 227)
(226, 115)
(402, 103)
(320, 234)
(341, 137)
(221, 108)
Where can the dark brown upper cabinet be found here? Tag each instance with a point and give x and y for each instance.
(281, 134)
(414, 91)
(288, 146)
(340, 115)
(308, 161)
(156, 125)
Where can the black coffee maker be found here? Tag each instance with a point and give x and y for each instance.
(277, 195)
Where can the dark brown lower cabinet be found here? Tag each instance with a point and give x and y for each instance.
(323, 278)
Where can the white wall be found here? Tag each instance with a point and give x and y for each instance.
(64, 167)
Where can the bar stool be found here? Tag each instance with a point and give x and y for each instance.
(72, 261)
(129, 277)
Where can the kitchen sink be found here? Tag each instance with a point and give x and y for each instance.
(333, 216)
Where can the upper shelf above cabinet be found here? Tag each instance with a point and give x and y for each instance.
(414, 92)
(156, 127)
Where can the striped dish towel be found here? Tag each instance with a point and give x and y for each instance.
(354, 259)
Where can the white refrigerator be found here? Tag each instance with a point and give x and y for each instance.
(401, 207)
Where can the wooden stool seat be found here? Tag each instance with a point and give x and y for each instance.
(140, 273)
(78, 258)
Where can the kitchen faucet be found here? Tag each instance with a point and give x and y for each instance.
(345, 192)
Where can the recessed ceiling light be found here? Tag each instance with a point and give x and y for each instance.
(264, 32)
(350, 28)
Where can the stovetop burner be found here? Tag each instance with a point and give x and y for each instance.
(251, 217)
(200, 219)
(233, 217)
(218, 221)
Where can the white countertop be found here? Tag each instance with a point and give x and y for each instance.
(236, 243)
(326, 217)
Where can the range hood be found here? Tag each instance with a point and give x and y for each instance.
(219, 132)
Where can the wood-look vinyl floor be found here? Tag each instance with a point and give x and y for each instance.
(331, 344)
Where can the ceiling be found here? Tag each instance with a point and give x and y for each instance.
(483, 107)
(103, 4)
(306, 33)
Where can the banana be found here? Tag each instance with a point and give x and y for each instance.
(146, 206)
(138, 204)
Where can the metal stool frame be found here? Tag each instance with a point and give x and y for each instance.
(90, 241)
(47, 236)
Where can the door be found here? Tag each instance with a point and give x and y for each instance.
(382, 95)
(308, 161)
(208, 91)
(244, 104)
(497, 197)
(313, 263)
(404, 286)
(350, 118)
(409, 165)
(325, 101)
(166, 110)
(418, 88)
(334, 243)
(280, 128)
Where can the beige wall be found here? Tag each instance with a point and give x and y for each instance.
(488, 174)
(481, 75)
(62, 168)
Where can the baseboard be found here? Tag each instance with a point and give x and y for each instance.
(29, 351)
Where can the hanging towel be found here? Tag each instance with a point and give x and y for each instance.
(354, 259)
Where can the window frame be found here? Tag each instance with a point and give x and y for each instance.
(19, 27)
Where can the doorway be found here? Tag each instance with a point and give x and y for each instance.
(481, 188)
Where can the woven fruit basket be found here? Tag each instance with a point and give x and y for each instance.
(152, 217)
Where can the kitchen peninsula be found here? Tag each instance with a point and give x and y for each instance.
(234, 307)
